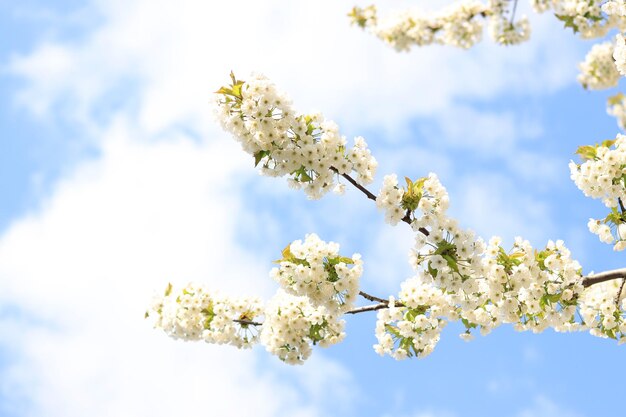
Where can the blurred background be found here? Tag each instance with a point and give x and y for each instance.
(115, 180)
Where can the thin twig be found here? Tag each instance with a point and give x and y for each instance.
(371, 196)
(372, 307)
(514, 10)
(352, 181)
(619, 293)
(357, 310)
(621, 205)
(372, 297)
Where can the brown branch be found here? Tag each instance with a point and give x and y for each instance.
(382, 303)
(371, 196)
(604, 276)
(619, 293)
(513, 13)
(372, 297)
(621, 205)
(587, 281)
(248, 323)
(352, 181)
(372, 307)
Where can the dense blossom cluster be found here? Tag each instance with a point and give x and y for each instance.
(293, 324)
(457, 25)
(598, 71)
(195, 313)
(412, 327)
(460, 277)
(315, 269)
(426, 194)
(603, 308)
(306, 148)
(603, 176)
(318, 286)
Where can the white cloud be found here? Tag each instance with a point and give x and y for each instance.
(177, 53)
(492, 204)
(78, 274)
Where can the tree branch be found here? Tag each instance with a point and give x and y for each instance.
(514, 10)
(357, 310)
(372, 297)
(604, 276)
(372, 307)
(382, 303)
(371, 196)
(587, 281)
(352, 181)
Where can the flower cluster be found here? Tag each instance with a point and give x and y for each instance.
(460, 24)
(306, 148)
(616, 107)
(585, 17)
(615, 8)
(426, 194)
(603, 176)
(603, 310)
(194, 313)
(533, 290)
(318, 286)
(598, 71)
(460, 277)
(293, 324)
(456, 25)
(505, 32)
(619, 54)
(315, 269)
(412, 325)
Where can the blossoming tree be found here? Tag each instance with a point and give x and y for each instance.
(458, 276)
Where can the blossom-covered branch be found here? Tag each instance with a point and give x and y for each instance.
(458, 276)
(459, 25)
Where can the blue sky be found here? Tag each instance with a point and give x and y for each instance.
(114, 180)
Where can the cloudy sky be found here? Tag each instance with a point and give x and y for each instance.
(115, 179)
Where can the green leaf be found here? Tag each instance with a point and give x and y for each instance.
(586, 152)
(432, 271)
(451, 262)
(168, 289)
(287, 252)
(608, 143)
(259, 156)
(468, 325)
(569, 21)
(616, 99)
(339, 259)
(392, 329)
(409, 185)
